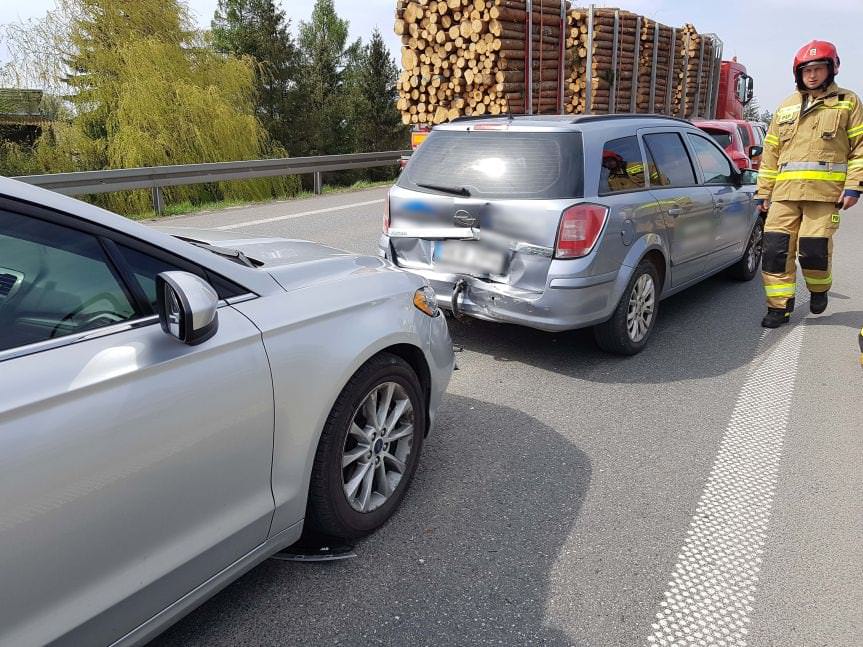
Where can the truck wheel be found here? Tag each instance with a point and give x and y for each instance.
(368, 451)
(629, 328)
(747, 267)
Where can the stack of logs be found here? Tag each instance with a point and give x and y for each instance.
(469, 57)
(651, 91)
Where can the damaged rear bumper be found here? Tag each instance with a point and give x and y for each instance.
(565, 304)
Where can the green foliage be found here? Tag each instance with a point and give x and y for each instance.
(751, 111)
(257, 29)
(325, 57)
(375, 122)
(147, 92)
(143, 88)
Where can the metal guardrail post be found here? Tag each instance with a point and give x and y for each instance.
(318, 184)
(158, 201)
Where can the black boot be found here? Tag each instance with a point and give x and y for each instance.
(817, 302)
(775, 317)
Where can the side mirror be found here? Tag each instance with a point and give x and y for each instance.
(187, 307)
(755, 151)
(748, 177)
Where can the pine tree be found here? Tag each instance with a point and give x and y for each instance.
(256, 28)
(376, 124)
(751, 111)
(325, 56)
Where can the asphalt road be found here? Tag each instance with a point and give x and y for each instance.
(704, 492)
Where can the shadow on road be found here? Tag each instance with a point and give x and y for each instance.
(849, 319)
(466, 561)
(707, 330)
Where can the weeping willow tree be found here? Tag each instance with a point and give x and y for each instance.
(147, 91)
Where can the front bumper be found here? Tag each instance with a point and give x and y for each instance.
(440, 357)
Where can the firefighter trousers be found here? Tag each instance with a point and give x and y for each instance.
(797, 230)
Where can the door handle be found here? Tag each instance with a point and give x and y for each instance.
(675, 211)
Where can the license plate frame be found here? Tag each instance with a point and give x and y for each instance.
(469, 256)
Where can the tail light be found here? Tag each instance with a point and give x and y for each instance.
(580, 227)
(387, 214)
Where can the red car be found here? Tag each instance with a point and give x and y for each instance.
(738, 138)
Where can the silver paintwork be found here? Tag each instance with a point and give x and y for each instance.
(696, 231)
(140, 475)
(203, 299)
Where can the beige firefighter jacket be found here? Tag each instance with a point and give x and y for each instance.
(814, 148)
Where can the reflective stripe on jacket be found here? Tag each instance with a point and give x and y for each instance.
(813, 149)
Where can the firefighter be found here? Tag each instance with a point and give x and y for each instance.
(812, 168)
(619, 176)
(860, 341)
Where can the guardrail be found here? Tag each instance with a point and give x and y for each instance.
(157, 177)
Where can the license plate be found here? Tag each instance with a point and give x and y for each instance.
(468, 256)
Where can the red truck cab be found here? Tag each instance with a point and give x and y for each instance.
(735, 90)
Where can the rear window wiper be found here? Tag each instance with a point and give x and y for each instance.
(234, 254)
(455, 190)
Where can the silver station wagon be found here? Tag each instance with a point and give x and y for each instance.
(176, 408)
(566, 222)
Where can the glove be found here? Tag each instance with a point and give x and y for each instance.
(851, 193)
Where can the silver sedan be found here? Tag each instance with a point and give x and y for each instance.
(176, 407)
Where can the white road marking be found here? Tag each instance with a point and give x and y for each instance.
(710, 597)
(289, 216)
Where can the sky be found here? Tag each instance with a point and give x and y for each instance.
(764, 35)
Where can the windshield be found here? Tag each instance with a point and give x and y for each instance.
(515, 165)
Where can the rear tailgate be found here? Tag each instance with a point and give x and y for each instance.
(487, 204)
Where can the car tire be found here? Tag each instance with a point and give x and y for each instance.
(337, 506)
(748, 267)
(622, 334)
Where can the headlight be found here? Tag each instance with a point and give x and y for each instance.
(425, 300)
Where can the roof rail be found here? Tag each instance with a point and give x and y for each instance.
(583, 118)
(479, 117)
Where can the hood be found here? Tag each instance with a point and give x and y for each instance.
(293, 263)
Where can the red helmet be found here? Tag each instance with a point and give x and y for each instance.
(611, 155)
(815, 52)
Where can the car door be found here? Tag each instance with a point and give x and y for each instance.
(690, 220)
(133, 467)
(733, 204)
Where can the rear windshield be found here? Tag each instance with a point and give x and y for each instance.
(515, 165)
(721, 137)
